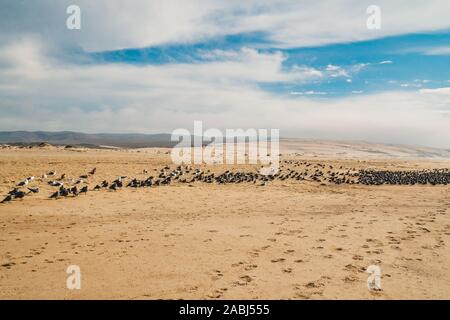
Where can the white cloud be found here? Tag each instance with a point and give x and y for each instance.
(409, 85)
(438, 51)
(440, 91)
(336, 71)
(309, 93)
(386, 62)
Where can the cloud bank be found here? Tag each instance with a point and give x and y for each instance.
(40, 91)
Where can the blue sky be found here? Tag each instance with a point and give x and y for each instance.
(311, 69)
(392, 63)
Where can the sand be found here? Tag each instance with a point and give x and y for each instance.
(287, 240)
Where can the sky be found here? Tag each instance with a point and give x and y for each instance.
(312, 69)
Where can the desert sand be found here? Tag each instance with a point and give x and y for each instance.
(285, 240)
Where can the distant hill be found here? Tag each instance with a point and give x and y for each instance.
(128, 140)
(305, 147)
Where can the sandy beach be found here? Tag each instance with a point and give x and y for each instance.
(285, 240)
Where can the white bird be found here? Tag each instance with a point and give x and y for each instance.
(30, 178)
(56, 183)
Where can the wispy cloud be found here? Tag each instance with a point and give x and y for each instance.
(438, 51)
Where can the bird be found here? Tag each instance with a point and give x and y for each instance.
(97, 187)
(56, 183)
(19, 195)
(55, 195)
(74, 191)
(23, 183)
(8, 198)
(64, 192)
(13, 191)
(33, 190)
(93, 171)
(84, 176)
(51, 173)
(113, 187)
(84, 189)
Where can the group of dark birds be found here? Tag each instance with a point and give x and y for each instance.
(314, 172)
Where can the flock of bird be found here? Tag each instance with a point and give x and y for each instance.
(315, 172)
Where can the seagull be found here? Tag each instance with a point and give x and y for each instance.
(13, 191)
(74, 191)
(23, 183)
(56, 184)
(113, 187)
(19, 194)
(30, 178)
(8, 198)
(64, 192)
(55, 195)
(34, 190)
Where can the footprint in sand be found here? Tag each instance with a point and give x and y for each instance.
(243, 281)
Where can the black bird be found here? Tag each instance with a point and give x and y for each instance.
(93, 171)
(84, 176)
(113, 187)
(8, 198)
(34, 190)
(74, 191)
(64, 192)
(84, 190)
(97, 187)
(55, 195)
(20, 195)
(13, 191)
(104, 184)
